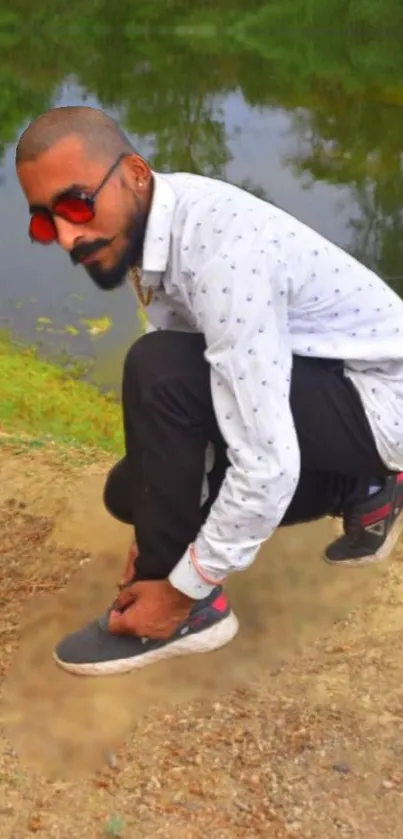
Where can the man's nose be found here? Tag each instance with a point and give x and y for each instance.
(68, 234)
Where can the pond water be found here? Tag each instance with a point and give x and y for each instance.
(260, 94)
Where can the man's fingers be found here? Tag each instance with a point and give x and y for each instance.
(126, 597)
(119, 624)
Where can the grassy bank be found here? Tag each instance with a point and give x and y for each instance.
(45, 401)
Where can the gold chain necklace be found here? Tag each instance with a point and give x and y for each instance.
(145, 297)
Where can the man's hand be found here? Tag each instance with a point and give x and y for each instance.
(153, 609)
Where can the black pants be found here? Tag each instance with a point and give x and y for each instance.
(169, 419)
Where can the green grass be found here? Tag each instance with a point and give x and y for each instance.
(42, 400)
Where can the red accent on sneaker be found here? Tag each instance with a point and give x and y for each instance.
(399, 478)
(376, 515)
(220, 603)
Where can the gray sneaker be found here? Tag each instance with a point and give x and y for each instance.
(371, 529)
(94, 651)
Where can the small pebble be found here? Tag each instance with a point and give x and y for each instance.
(242, 806)
(387, 784)
(112, 759)
(341, 767)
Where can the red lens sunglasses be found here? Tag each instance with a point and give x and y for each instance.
(72, 205)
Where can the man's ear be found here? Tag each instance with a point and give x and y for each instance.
(138, 171)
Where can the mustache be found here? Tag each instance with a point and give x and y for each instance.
(87, 249)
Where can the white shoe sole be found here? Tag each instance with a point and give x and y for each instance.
(203, 642)
(384, 551)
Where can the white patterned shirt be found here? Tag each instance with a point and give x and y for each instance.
(262, 286)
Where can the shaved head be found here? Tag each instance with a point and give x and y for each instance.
(80, 156)
(98, 133)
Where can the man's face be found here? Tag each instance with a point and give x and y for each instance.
(112, 242)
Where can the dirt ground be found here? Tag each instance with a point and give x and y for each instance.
(295, 730)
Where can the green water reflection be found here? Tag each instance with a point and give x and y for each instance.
(166, 69)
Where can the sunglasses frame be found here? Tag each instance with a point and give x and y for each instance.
(88, 200)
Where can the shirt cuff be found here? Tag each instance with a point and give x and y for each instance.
(186, 578)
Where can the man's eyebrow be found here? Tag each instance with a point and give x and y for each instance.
(71, 188)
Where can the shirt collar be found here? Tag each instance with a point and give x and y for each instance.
(158, 232)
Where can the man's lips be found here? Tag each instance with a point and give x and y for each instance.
(89, 255)
(86, 260)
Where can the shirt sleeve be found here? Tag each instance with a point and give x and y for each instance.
(242, 312)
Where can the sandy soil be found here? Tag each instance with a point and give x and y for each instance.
(293, 730)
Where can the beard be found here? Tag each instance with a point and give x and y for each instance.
(111, 278)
